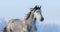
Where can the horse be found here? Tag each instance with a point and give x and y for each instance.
(26, 25)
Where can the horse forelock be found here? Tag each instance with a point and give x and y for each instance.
(36, 8)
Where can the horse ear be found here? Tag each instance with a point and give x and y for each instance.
(40, 6)
(36, 6)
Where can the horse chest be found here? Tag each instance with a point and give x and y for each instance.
(31, 28)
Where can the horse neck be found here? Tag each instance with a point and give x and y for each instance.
(30, 20)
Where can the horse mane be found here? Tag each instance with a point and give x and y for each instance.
(28, 15)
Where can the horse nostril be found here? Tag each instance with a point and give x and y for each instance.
(42, 19)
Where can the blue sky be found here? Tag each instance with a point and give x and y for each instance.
(19, 8)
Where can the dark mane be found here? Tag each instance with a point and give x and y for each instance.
(28, 15)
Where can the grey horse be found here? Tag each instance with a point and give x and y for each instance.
(26, 25)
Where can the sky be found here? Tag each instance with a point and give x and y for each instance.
(19, 8)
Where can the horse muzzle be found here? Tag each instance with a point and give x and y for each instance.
(42, 19)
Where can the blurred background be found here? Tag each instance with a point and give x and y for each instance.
(19, 8)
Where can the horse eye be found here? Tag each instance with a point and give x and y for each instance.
(37, 11)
